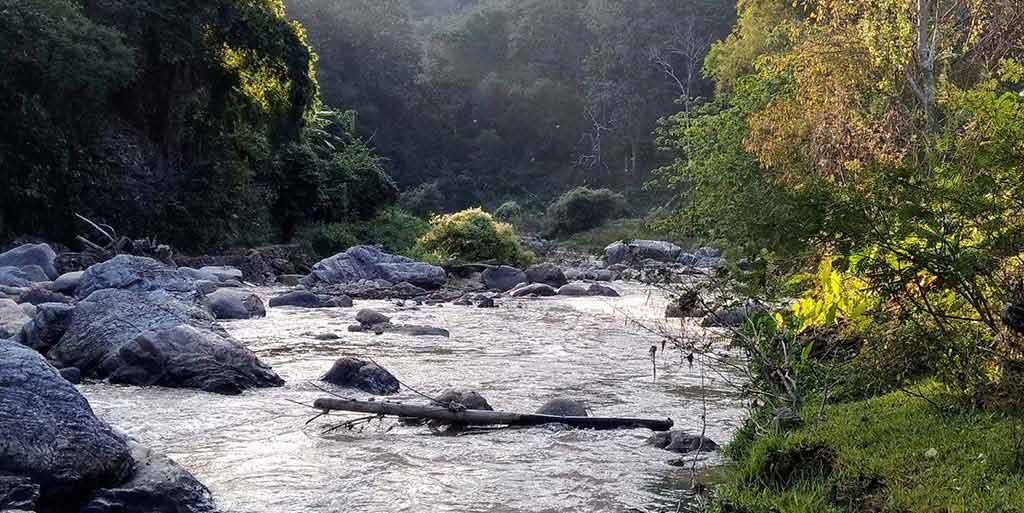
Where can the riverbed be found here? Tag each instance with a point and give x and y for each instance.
(256, 453)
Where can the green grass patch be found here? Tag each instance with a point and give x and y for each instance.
(893, 453)
(595, 240)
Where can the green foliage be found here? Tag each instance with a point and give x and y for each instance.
(423, 200)
(893, 453)
(472, 236)
(391, 228)
(509, 212)
(835, 298)
(581, 209)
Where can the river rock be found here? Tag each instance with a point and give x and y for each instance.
(413, 330)
(306, 299)
(470, 399)
(153, 338)
(39, 295)
(198, 276)
(235, 304)
(223, 272)
(47, 326)
(72, 374)
(547, 273)
(573, 290)
(682, 442)
(367, 317)
(50, 435)
(657, 250)
(157, 484)
(67, 282)
(29, 309)
(616, 253)
(134, 273)
(369, 263)
(596, 289)
(362, 375)
(12, 318)
(40, 255)
(502, 278)
(15, 277)
(534, 289)
(731, 317)
(563, 407)
(486, 302)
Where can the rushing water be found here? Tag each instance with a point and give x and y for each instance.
(256, 454)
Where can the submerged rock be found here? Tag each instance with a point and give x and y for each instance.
(41, 255)
(51, 438)
(573, 290)
(307, 299)
(235, 304)
(563, 407)
(363, 375)
(369, 263)
(534, 289)
(596, 289)
(682, 442)
(502, 278)
(546, 273)
(153, 338)
(133, 273)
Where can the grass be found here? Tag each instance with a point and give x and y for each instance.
(595, 240)
(893, 453)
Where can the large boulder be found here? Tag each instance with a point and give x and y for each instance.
(133, 273)
(370, 318)
(47, 326)
(235, 304)
(157, 485)
(596, 289)
(616, 253)
(502, 278)
(153, 338)
(12, 318)
(362, 375)
(546, 273)
(32, 254)
(306, 299)
(369, 263)
(51, 438)
(223, 272)
(682, 442)
(39, 295)
(563, 407)
(16, 277)
(533, 289)
(661, 251)
(573, 289)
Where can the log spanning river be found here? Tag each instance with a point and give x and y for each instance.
(256, 454)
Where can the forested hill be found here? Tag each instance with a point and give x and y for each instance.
(512, 99)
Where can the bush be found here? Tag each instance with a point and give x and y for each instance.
(423, 200)
(582, 209)
(509, 212)
(392, 229)
(472, 236)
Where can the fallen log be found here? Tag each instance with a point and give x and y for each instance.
(485, 417)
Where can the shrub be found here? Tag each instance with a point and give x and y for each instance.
(392, 229)
(423, 200)
(582, 209)
(509, 212)
(472, 236)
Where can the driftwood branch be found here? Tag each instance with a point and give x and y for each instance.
(485, 417)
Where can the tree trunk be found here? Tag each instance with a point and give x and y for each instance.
(487, 418)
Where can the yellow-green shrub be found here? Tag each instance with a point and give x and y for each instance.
(472, 236)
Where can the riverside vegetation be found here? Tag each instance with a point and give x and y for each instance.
(861, 164)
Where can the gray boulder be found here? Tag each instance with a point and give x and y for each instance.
(502, 278)
(235, 304)
(47, 326)
(15, 277)
(563, 407)
(51, 438)
(616, 253)
(152, 338)
(306, 299)
(596, 289)
(32, 254)
(362, 375)
(573, 290)
(157, 485)
(12, 318)
(367, 317)
(68, 282)
(661, 251)
(223, 272)
(682, 442)
(17, 493)
(369, 263)
(133, 273)
(470, 399)
(39, 295)
(413, 330)
(547, 273)
(534, 289)
(198, 275)
(72, 374)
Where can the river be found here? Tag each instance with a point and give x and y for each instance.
(256, 454)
